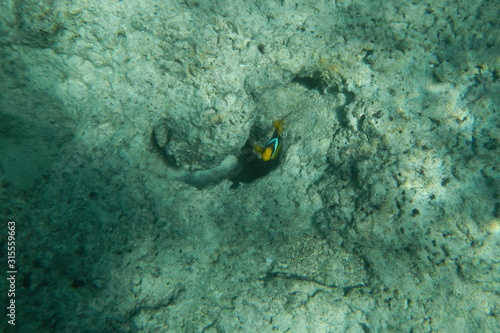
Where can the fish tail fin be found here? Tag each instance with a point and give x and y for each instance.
(278, 125)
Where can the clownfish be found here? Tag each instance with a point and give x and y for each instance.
(273, 146)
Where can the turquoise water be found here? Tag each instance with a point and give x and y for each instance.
(127, 164)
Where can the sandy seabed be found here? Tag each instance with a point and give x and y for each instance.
(125, 160)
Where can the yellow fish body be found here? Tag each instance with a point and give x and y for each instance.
(272, 148)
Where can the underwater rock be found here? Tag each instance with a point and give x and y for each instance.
(203, 140)
(38, 22)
